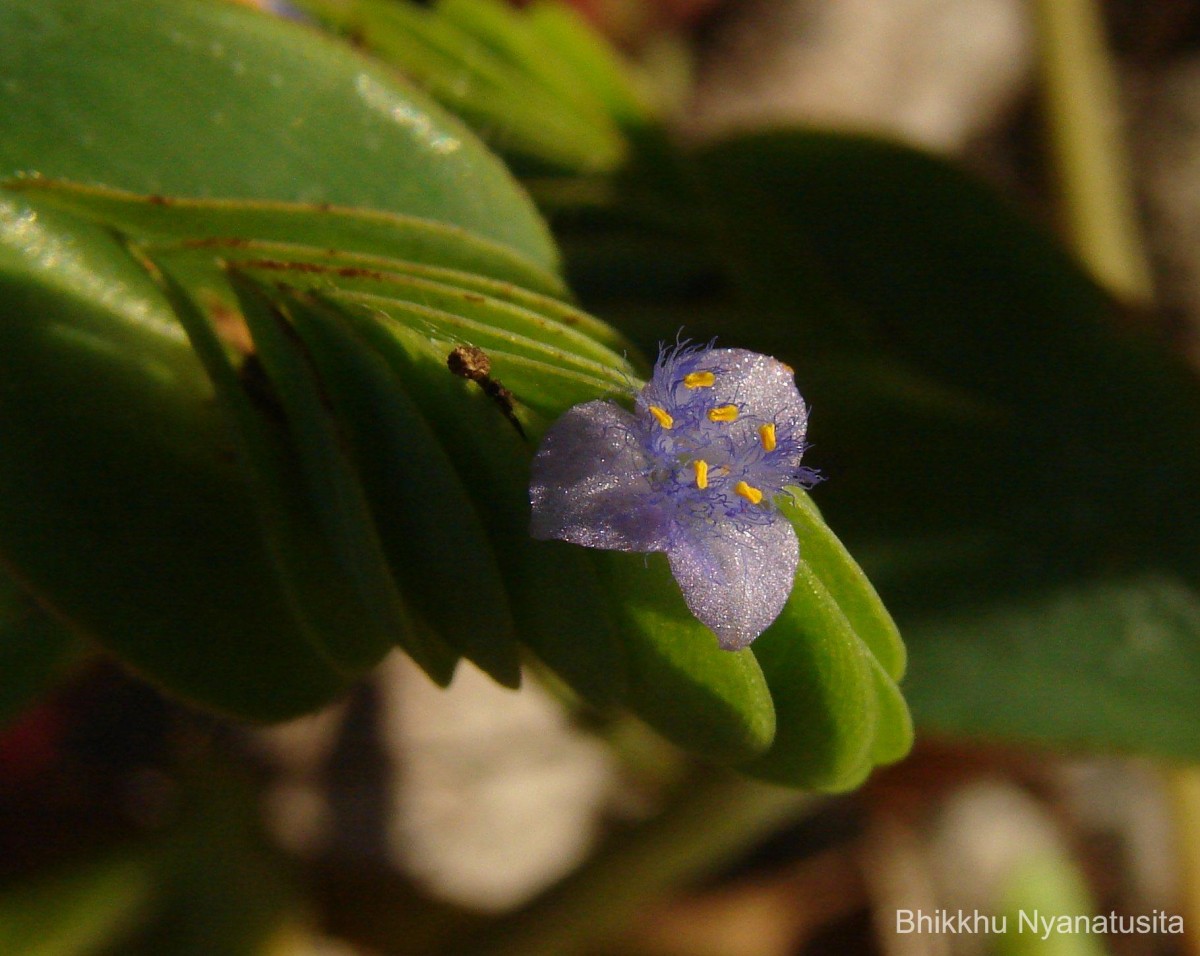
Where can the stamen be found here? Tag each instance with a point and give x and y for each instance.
(767, 435)
(701, 468)
(699, 379)
(787, 368)
(749, 492)
(723, 413)
(662, 417)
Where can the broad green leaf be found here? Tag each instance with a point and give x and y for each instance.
(210, 99)
(999, 444)
(120, 506)
(35, 650)
(1111, 663)
(712, 702)
(194, 99)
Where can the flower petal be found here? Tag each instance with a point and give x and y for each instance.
(590, 483)
(758, 382)
(737, 581)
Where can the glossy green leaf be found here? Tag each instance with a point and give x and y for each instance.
(541, 377)
(120, 506)
(712, 702)
(220, 223)
(306, 266)
(195, 99)
(210, 99)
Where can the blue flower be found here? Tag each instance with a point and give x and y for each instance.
(715, 438)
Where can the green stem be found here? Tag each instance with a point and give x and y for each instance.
(714, 820)
(1083, 120)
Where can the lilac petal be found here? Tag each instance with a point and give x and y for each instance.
(590, 483)
(759, 383)
(737, 581)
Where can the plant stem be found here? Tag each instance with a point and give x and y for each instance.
(1184, 787)
(1083, 120)
(711, 823)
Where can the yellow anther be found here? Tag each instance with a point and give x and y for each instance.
(749, 492)
(661, 416)
(699, 379)
(787, 368)
(701, 468)
(723, 413)
(766, 434)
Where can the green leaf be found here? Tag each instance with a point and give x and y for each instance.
(1014, 463)
(712, 702)
(349, 569)
(832, 660)
(194, 99)
(846, 584)
(512, 109)
(820, 679)
(1116, 661)
(120, 506)
(596, 64)
(205, 99)
(562, 614)
(428, 525)
(223, 224)
(512, 37)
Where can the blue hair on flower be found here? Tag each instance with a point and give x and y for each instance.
(715, 438)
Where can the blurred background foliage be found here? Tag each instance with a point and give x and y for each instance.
(1009, 420)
